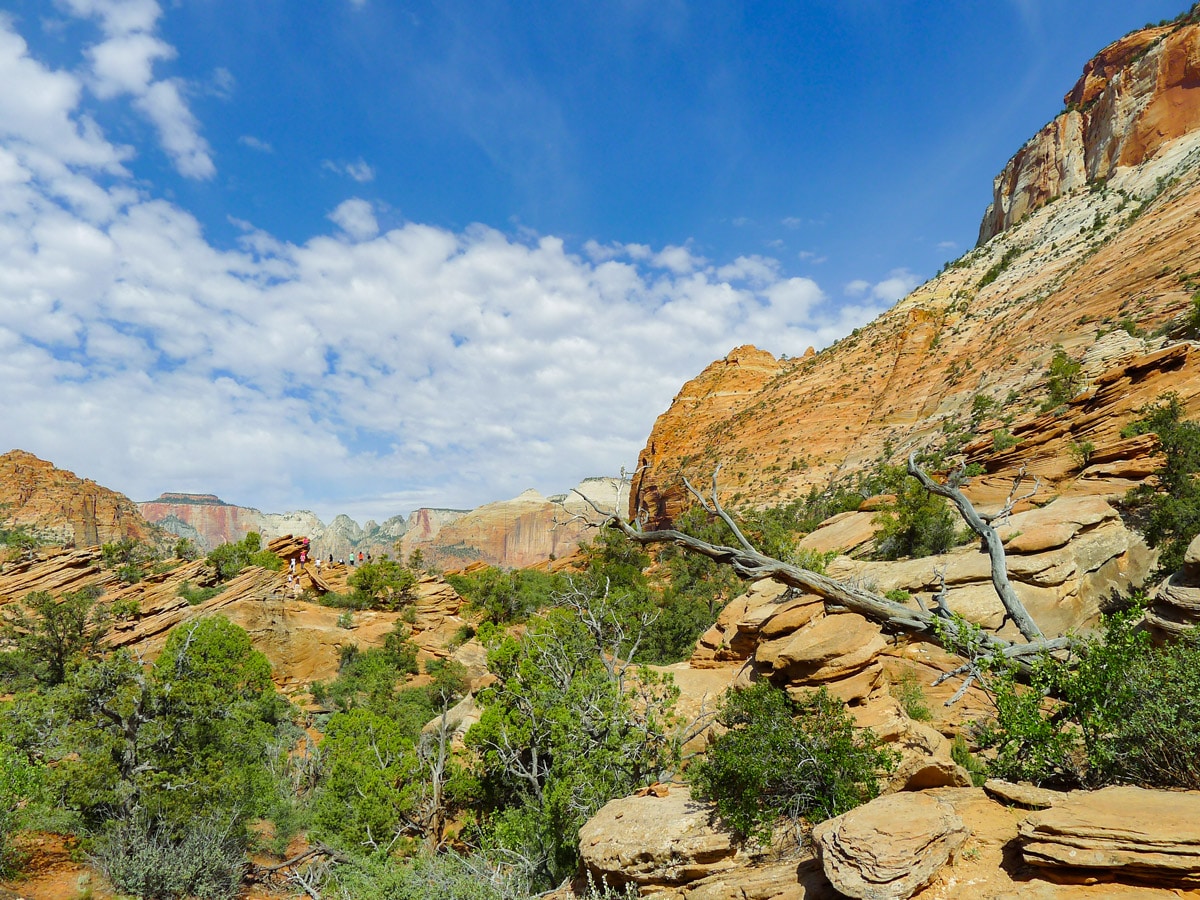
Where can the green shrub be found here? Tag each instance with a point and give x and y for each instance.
(912, 698)
(1063, 379)
(917, 524)
(961, 754)
(230, 559)
(506, 596)
(383, 584)
(196, 595)
(1124, 713)
(783, 758)
(1003, 263)
(1003, 439)
(207, 861)
(1167, 512)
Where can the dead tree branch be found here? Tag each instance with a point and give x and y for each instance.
(1013, 606)
(938, 624)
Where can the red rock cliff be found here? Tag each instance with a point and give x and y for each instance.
(1134, 97)
(63, 508)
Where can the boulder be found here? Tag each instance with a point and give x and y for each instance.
(834, 647)
(654, 840)
(890, 848)
(1126, 833)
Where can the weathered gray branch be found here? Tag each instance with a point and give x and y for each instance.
(991, 541)
(938, 624)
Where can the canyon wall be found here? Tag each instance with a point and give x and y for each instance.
(63, 508)
(1106, 272)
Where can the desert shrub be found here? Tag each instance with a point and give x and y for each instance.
(195, 595)
(1122, 712)
(506, 596)
(1167, 512)
(961, 754)
(912, 698)
(801, 760)
(20, 782)
(443, 876)
(382, 584)
(127, 557)
(51, 635)
(206, 861)
(1063, 379)
(1000, 265)
(566, 727)
(230, 559)
(918, 523)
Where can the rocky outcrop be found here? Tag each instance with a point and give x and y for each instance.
(301, 638)
(1175, 607)
(890, 848)
(655, 840)
(1121, 833)
(61, 508)
(1064, 273)
(1133, 98)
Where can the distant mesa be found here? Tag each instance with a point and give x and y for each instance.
(202, 499)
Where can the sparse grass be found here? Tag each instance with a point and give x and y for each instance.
(912, 698)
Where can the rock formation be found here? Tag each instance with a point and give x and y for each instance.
(1175, 606)
(527, 530)
(62, 508)
(1122, 255)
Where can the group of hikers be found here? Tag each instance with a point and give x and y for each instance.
(299, 560)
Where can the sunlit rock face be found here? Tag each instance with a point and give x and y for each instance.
(1092, 244)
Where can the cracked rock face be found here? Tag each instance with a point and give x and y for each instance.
(1125, 832)
(889, 848)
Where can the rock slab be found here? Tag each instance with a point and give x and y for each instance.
(890, 848)
(1129, 832)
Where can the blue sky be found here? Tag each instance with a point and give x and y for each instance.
(363, 256)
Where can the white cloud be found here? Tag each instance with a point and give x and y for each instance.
(791, 222)
(947, 245)
(444, 367)
(123, 64)
(357, 169)
(177, 128)
(249, 140)
(678, 260)
(857, 288)
(898, 283)
(356, 218)
(741, 222)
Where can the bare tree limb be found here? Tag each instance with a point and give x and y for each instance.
(1013, 606)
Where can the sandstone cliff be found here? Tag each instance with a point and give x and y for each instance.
(1133, 98)
(1106, 271)
(62, 508)
(525, 531)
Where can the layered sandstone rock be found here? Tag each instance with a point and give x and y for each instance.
(64, 509)
(890, 848)
(1063, 273)
(1128, 833)
(1175, 607)
(1133, 98)
(653, 840)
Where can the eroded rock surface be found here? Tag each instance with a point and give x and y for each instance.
(1121, 832)
(889, 848)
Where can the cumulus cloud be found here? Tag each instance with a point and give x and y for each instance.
(356, 218)
(414, 365)
(898, 284)
(123, 64)
(358, 169)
